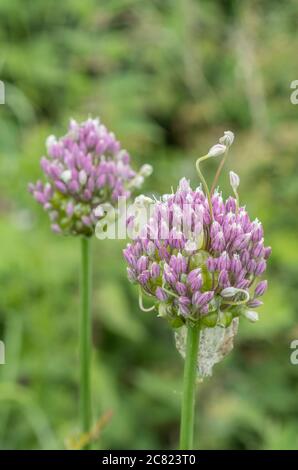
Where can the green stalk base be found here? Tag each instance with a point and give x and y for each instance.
(189, 388)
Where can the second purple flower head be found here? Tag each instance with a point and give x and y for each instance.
(84, 170)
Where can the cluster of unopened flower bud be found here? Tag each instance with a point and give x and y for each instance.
(205, 269)
(85, 170)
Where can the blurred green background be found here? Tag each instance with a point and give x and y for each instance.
(168, 76)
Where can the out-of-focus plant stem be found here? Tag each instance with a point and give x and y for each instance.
(85, 336)
(13, 337)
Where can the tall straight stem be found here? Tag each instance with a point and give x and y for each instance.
(85, 336)
(189, 388)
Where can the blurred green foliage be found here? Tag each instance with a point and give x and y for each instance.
(168, 77)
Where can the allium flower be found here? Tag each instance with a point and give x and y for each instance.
(84, 169)
(205, 267)
(199, 257)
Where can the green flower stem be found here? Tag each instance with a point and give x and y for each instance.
(199, 160)
(144, 309)
(85, 336)
(237, 200)
(189, 388)
(218, 172)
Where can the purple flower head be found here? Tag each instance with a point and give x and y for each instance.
(208, 260)
(83, 170)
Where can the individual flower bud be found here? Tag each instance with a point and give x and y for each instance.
(204, 310)
(244, 219)
(69, 209)
(217, 150)
(144, 277)
(50, 140)
(138, 249)
(251, 316)
(234, 180)
(169, 276)
(231, 204)
(218, 242)
(257, 231)
(66, 176)
(223, 278)
(258, 249)
(251, 266)
(130, 258)
(200, 299)
(82, 177)
(161, 294)
(142, 263)
(39, 197)
(236, 232)
(146, 170)
(206, 297)
(267, 252)
(243, 284)
(223, 261)
(61, 186)
(143, 201)
(245, 257)
(155, 270)
(229, 292)
(215, 229)
(131, 275)
(227, 139)
(181, 288)
(181, 264)
(254, 303)
(184, 305)
(260, 268)
(196, 297)
(55, 228)
(236, 265)
(260, 288)
(212, 264)
(150, 249)
(194, 279)
(184, 185)
(74, 186)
